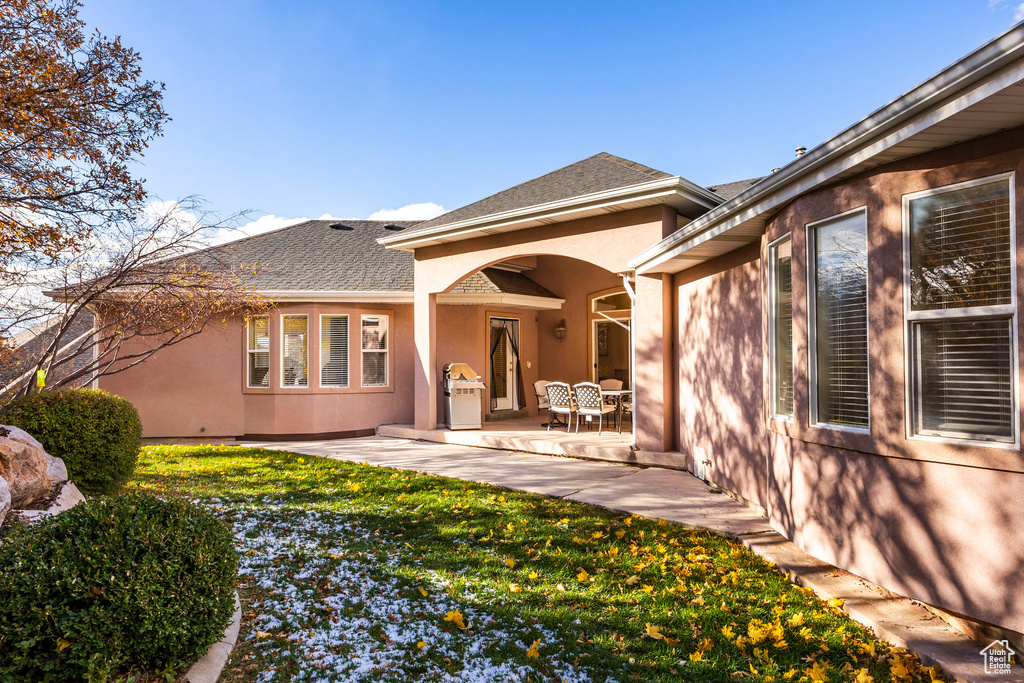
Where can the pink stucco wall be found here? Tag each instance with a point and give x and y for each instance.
(939, 522)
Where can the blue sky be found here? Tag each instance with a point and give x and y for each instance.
(302, 108)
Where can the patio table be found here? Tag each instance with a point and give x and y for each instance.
(618, 394)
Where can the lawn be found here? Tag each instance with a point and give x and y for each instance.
(360, 573)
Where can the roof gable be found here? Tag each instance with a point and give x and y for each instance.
(598, 173)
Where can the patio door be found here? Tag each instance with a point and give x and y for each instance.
(504, 354)
(611, 341)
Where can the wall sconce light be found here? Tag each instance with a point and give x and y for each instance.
(560, 330)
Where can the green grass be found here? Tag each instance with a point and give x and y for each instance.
(353, 572)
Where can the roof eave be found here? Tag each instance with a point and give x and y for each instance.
(662, 191)
(985, 71)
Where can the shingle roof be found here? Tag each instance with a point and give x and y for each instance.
(313, 256)
(498, 281)
(729, 190)
(594, 174)
(30, 345)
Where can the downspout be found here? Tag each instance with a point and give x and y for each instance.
(632, 346)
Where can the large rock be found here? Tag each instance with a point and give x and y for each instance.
(26, 467)
(5, 499)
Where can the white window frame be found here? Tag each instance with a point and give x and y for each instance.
(249, 352)
(812, 324)
(967, 313)
(294, 386)
(772, 384)
(348, 344)
(386, 351)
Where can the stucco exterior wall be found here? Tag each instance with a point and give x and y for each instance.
(189, 389)
(720, 367)
(201, 382)
(940, 522)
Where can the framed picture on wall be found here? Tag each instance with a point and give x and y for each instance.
(602, 340)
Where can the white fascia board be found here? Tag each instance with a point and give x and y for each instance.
(295, 295)
(902, 118)
(661, 189)
(543, 303)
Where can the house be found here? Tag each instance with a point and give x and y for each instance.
(836, 343)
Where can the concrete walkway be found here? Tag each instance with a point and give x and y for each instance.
(677, 497)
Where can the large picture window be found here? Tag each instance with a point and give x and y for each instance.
(295, 357)
(375, 350)
(961, 311)
(258, 351)
(838, 277)
(780, 340)
(334, 351)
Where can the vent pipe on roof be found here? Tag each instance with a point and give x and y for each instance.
(800, 151)
(776, 169)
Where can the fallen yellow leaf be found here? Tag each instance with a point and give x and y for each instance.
(532, 653)
(583, 575)
(456, 618)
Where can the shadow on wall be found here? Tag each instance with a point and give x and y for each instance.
(949, 535)
(720, 372)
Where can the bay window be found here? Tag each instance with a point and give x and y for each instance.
(838, 320)
(961, 311)
(334, 351)
(295, 354)
(258, 351)
(375, 350)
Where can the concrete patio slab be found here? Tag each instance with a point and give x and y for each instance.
(681, 498)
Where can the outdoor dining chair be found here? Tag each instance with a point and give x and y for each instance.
(540, 391)
(560, 402)
(610, 385)
(590, 404)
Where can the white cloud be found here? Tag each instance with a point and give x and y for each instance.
(256, 227)
(1018, 12)
(409, 212)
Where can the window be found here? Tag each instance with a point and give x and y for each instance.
(258, 333)
(334, 351)
(838, 252)
(961, 311)
(780, 340)
(295, 360)
(375, 350)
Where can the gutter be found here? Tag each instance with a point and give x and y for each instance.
(983, 62)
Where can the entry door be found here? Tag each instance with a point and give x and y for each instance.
(504, 333)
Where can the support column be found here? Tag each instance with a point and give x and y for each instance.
(425, 385)
(653, 403)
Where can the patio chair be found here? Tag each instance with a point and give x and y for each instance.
(610, 385)
(540, 391)
(590, 404)
(560, 402)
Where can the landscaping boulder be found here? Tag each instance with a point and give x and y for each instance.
(28, 470)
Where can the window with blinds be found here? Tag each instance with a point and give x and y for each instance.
(839, 321)
(334, 351)
(961, 313)
(295, 357)
(781, 329)
(375, 350)
(258, 333)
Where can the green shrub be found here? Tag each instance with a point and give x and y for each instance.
(96, 434)
(114, 585)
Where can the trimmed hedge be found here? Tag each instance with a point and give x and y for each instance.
(96, 434)
(114, 585)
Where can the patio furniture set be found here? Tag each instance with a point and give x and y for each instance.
(584, 400)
